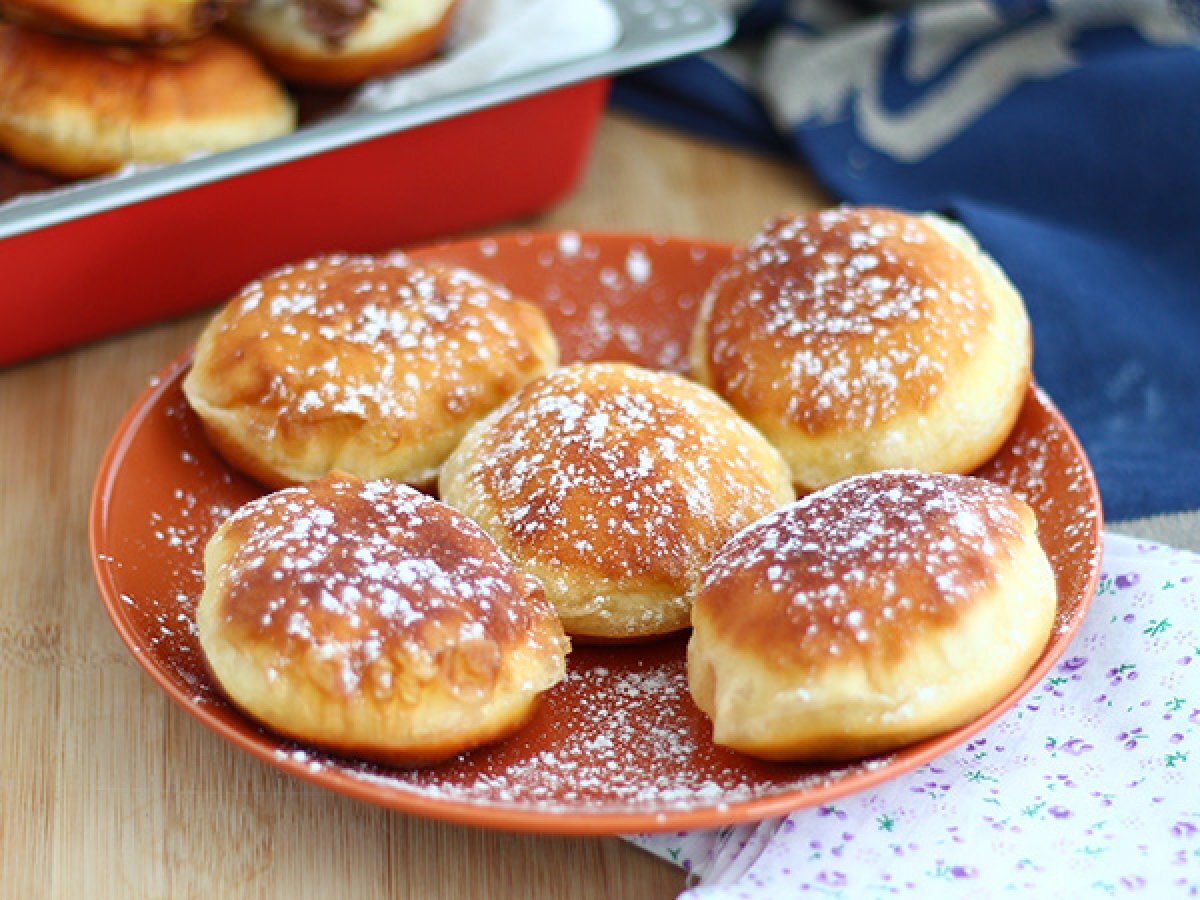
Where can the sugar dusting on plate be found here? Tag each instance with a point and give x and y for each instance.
(1025, 465)
(621, 734)
(627, 750)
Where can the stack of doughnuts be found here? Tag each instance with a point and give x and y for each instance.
(864, 358)
(89, 86)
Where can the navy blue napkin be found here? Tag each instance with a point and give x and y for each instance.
(1065, 135)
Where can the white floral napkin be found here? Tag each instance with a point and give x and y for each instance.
(495, 39)
(1090, 787)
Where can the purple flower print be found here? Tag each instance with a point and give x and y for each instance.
(1054, 685)
(1122, 673)
(1057, 781)
(831, 810)
(941, 870)
(1184, 830)
(1194, 718)
(1105, 799)
(1125, 582)
(932, 789)
(1130, 738)
(1060, 812)
(1077, 747)
(832, 879)
(1073, 664)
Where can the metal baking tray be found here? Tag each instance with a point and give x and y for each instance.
(101, 257)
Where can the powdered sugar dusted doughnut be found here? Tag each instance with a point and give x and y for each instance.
(877, 612)
(372, 620)
(866, 339)
(614, 485)
(371, 365)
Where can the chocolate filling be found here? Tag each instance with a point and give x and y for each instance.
(207, 13)
(334, 19)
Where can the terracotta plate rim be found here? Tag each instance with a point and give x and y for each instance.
(551, 821)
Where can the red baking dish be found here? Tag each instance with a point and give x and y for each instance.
(181, 251)
(107, 257)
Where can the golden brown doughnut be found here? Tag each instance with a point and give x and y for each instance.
(372, 365)
(614, 485)
(877, 612)
(146, 21)
(79, 108)
(342, 42)
(371, 620)
(866, 339)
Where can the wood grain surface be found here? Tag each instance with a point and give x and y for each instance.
(107, 790)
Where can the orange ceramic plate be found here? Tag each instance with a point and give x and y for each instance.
(619, 746)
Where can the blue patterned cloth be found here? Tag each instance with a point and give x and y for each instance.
(1064, 133)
